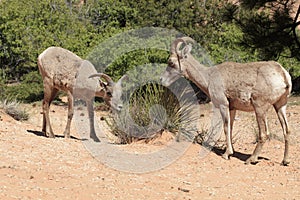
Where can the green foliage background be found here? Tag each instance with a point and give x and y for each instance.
(27, 27)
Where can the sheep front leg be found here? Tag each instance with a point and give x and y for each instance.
(232, 117)
(92, 121)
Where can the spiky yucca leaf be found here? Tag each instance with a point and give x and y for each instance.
(153, 108)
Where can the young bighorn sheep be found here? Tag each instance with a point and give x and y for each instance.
(233, 86)
(63, 70)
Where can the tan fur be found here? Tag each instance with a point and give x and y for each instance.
(63, 70)
(255, 86)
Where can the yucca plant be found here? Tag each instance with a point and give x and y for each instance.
(152, 108)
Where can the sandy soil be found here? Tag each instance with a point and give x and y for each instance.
(35, 167)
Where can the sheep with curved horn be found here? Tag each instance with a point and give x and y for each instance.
(255, 86)
(63, 70)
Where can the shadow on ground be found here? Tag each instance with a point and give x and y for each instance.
(236, 154)
(41, 134)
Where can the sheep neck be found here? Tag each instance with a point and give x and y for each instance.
(198, 74)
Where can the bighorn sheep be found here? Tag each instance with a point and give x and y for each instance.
(63, 70)
(233, 86)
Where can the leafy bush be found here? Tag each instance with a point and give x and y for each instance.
(25, 33)
(218, 27)
(30, 89)
(129, 61)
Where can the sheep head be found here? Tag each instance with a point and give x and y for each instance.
(110, 91)
(177, 63)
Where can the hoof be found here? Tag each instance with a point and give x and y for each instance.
(67, 134)
(251, 160)
(48, 134)
(95, 138)
(225, 156)
(285, 163)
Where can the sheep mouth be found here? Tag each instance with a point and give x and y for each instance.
(117, 108)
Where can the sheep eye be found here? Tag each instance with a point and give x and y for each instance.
(109, 94)
(171, 64)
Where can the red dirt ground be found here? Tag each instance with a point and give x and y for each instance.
(36, 167)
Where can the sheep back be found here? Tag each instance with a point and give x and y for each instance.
(59, 65)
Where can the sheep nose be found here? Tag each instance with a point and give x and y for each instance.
(120, 107)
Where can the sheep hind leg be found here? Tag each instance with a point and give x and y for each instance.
(281, 113)
(226, 116)
(70, 114)
(261, 117)
(48, 98)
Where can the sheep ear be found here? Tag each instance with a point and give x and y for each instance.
(123, 78)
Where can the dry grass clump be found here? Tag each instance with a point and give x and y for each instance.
(12, 108)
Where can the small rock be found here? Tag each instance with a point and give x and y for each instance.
(183, 189)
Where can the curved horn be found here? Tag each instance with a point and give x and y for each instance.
(188, 47)
(105, 76)
(178, 42)
(188, 39)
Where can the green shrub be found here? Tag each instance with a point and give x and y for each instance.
(29, 90)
